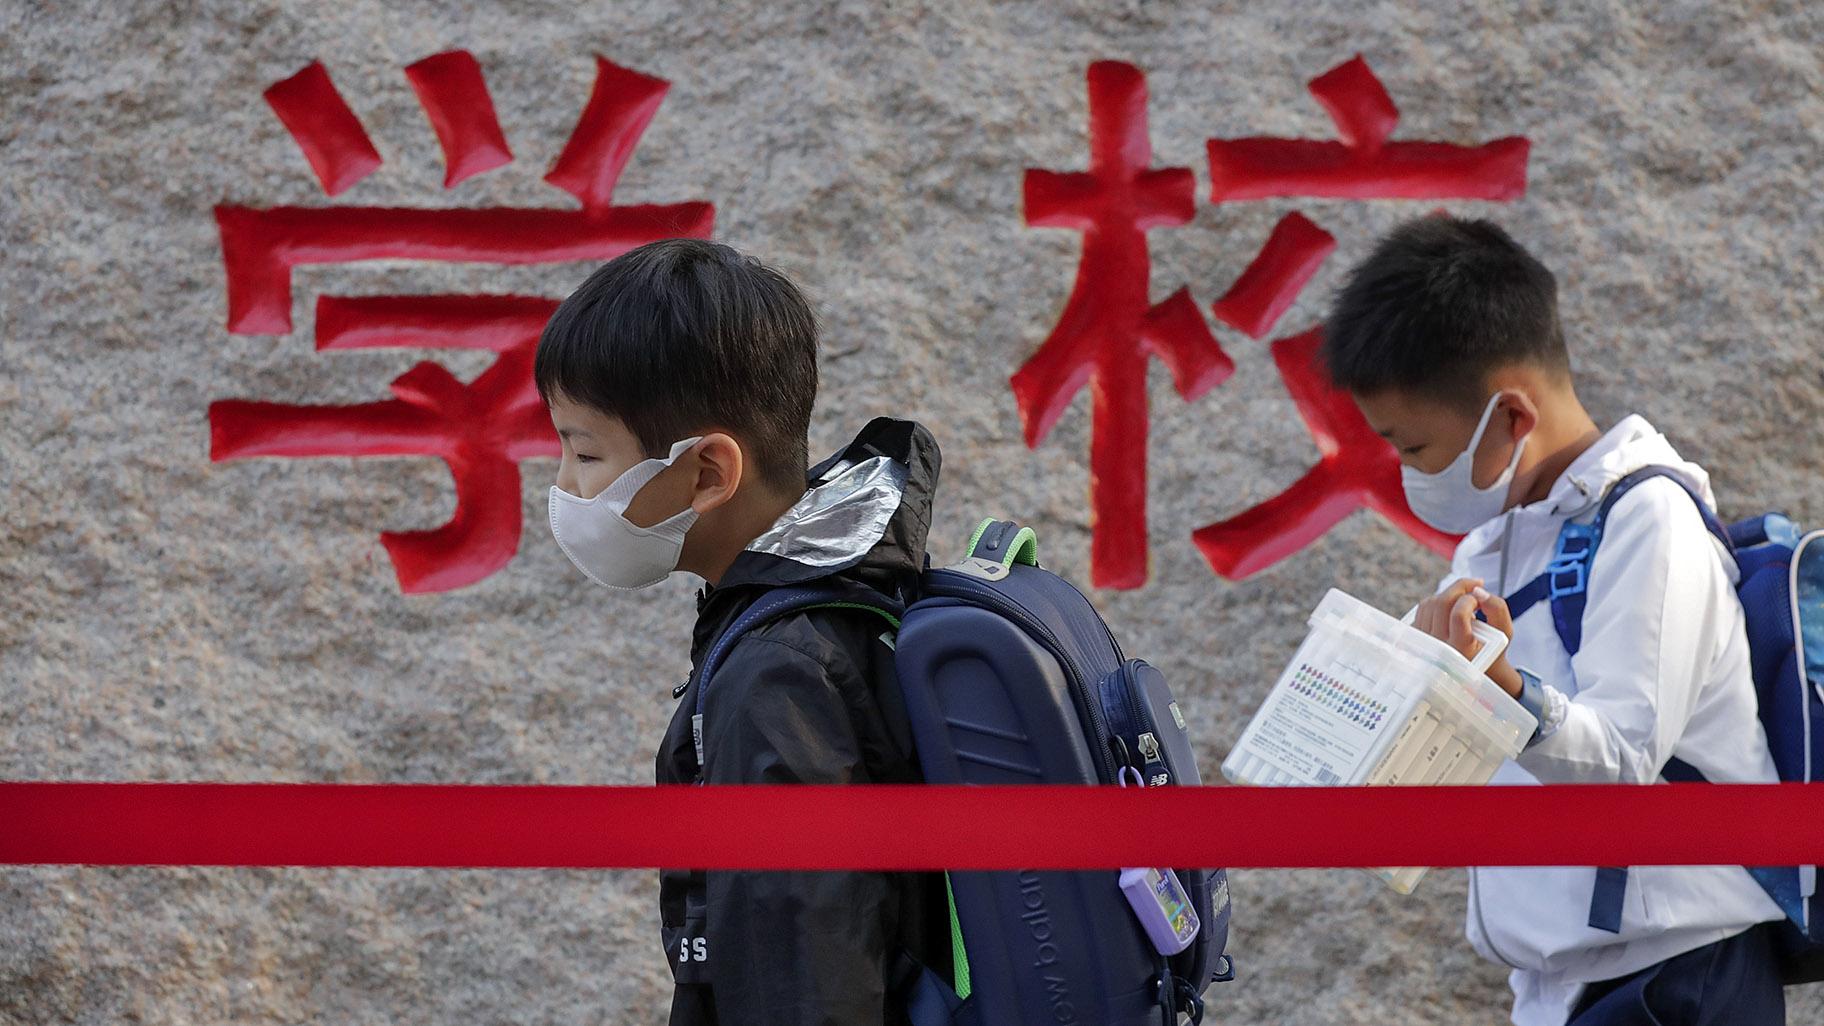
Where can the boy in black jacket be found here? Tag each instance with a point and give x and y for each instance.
(680, 378)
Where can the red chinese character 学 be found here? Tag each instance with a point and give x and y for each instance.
(1107, 329)
(482, 428)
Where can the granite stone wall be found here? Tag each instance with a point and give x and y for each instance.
(163, 617)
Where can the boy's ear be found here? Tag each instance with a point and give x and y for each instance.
(720, 468)
(1522, 413)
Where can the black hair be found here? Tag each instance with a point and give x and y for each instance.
(682, 335)
(1437, 305)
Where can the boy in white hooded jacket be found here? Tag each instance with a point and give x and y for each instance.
(1448, 338)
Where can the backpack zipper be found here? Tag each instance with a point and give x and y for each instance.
(1151, 763)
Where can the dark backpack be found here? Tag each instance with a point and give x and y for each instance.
(1009, 676)
(1782, 595)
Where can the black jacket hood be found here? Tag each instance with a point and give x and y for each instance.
(865, 514)
(867, 508)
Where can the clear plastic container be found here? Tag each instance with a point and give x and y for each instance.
(1369, 699)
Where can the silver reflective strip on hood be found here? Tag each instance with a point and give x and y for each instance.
(842, 518)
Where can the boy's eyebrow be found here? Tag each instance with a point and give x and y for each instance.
(574, 433)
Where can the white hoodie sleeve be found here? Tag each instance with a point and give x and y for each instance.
(1658, 596)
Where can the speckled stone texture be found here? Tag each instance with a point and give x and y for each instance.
(165, 618)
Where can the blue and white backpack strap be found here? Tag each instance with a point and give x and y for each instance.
(767, 608)
(1566, 580)
(1806, 589)
(1565, 583)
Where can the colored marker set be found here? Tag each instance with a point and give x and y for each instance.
(1370, 700)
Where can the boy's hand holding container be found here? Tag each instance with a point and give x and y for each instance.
(1450, 615)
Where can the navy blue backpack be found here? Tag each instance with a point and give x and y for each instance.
(1009, 676)
(1782, 595)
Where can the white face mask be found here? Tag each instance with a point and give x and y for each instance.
(607, 547)
(1449, 499)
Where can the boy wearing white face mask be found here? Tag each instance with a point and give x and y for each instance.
(1448, 338)
(680, 378)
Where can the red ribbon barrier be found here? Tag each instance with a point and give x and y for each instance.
(905, 827)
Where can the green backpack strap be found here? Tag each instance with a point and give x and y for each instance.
(1004, 542)
(864, 607)
(959, 959)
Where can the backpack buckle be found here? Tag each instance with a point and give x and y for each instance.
(1566, 578)
(1568, 572)
(1189, 1001)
